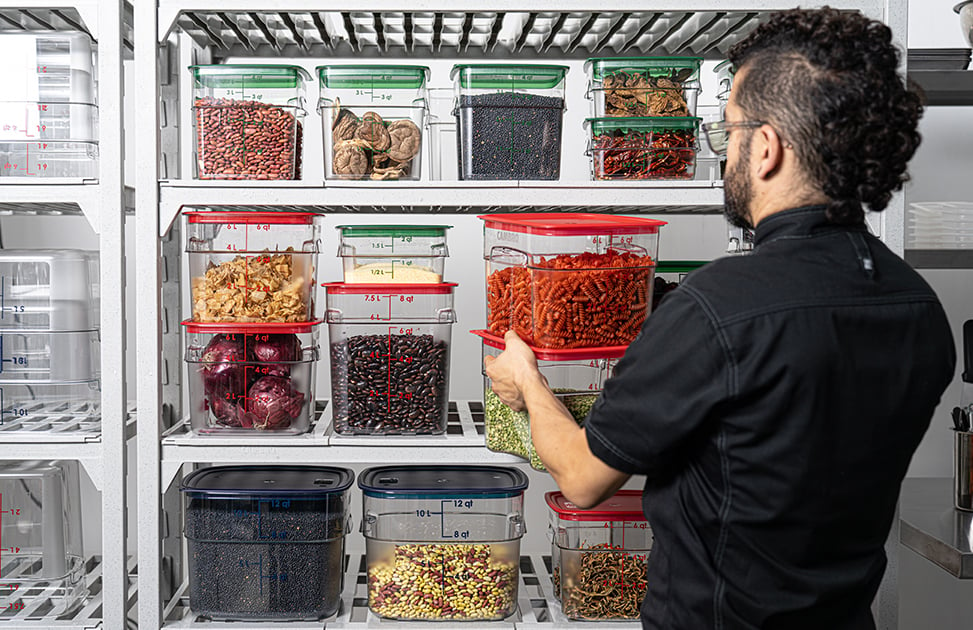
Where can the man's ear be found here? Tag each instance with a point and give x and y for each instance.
(767, 150)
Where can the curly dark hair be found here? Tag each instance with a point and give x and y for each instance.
(827, 80)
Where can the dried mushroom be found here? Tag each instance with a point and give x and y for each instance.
(638, 95)
(350, 158)
(405, 140)
(393, 172)
(372, 147)
(372, 130)
(344, 127)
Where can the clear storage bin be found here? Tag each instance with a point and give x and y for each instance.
(442, 542)
(724, 79)
(642, 148)
(251, 378)
(643, 86)
(32, 406)
(374, 117)
(252, 266)
(509, 120)
(569, 280)
(248, 121)
(42, 560)
(576, 377)
(599, 556)
(393, 253)
(45, 356)
(389, 346)
(266, 542)
(49, 289)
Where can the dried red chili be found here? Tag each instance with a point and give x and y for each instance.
(644, 154)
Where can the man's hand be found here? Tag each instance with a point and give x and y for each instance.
(512, 371)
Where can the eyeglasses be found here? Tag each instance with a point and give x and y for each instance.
(718, 133)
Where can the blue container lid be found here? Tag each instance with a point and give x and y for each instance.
(294, 482)
(442, 482)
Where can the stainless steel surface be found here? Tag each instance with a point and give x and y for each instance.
(963, 470)
(932, 528)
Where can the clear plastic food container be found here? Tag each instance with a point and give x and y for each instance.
(509, 119)
(442, 542)
(393, 253)
(43, 356)
(576, 376)
(32, 406)
(49, 289)
(42, 560)
(724, 80)
(570, 280)
(643, 86)
(599, 556)
(373, 120)
(251, 378)
(389, 348)
(642, 148)
(266, 542)
(248, 121)
(252, 266)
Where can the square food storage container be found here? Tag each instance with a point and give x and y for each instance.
(509, 119)
(569, 280)
(44, 406)
(373, 119)
(266, 542)
(724, 81)
(42, 560)
(393, 253)
(251, 378)
(49, 289)
(252, 266)
(643, 86)
(576, 376)
(389, 348)
(442, 542)
(248, 121)
(642, 148)
(599, 556)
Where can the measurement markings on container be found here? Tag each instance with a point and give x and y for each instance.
(390, 245)
(4, 307)
(269, 577)
(462, 504)
(11, 360)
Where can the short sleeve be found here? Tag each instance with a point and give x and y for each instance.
(665, 391)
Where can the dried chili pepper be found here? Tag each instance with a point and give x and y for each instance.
(644, 154)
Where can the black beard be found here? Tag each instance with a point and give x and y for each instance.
(737, 191)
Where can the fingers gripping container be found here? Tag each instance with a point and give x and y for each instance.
(393, 253)
(643, 86)
(373, 119)
(569, 280)
(248, 121)
(48, 110)
(509, 120)
(389, 357)
(576, 376)
(442, 542)
(252, 266)
(251, 378)
(41, 556)
(643, 148)
(599, 556)
(266, 542)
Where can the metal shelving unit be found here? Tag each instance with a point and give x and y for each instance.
(66, 432)
(172, 34)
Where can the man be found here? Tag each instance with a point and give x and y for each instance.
(773, 401)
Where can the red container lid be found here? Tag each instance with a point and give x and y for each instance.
(250, 328)
(392, 288)
(626, 505)
(272, 218)
(571, 223)
(567, 354)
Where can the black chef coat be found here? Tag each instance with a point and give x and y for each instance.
(774, 402)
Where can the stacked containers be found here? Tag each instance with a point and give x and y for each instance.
(252, 342)
(248, 121)
(509, 120)
(266, 542)
(599, 556)
(644, 123)
(41, 560)
(48, 111)
(386, 254)
(442, 542)
(373, 117)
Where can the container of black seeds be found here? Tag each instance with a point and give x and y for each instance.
(509, 120)
(389, 348)
(266, 542)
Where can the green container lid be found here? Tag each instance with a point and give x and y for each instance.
(607, 125)
(678, 266)
(249, 76)
(492, 77)
(600, 67)
(373, 231)
(368, 77)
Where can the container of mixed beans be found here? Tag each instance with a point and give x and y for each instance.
(389, 346)
(572, 280)
(599, 556)
(393, 253)
(252, 266)
(642, 148)
(643, 86)
(248, 121)
(576, 376)
(442, 543)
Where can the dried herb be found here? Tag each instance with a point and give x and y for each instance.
(644, 154)
(609, 585)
